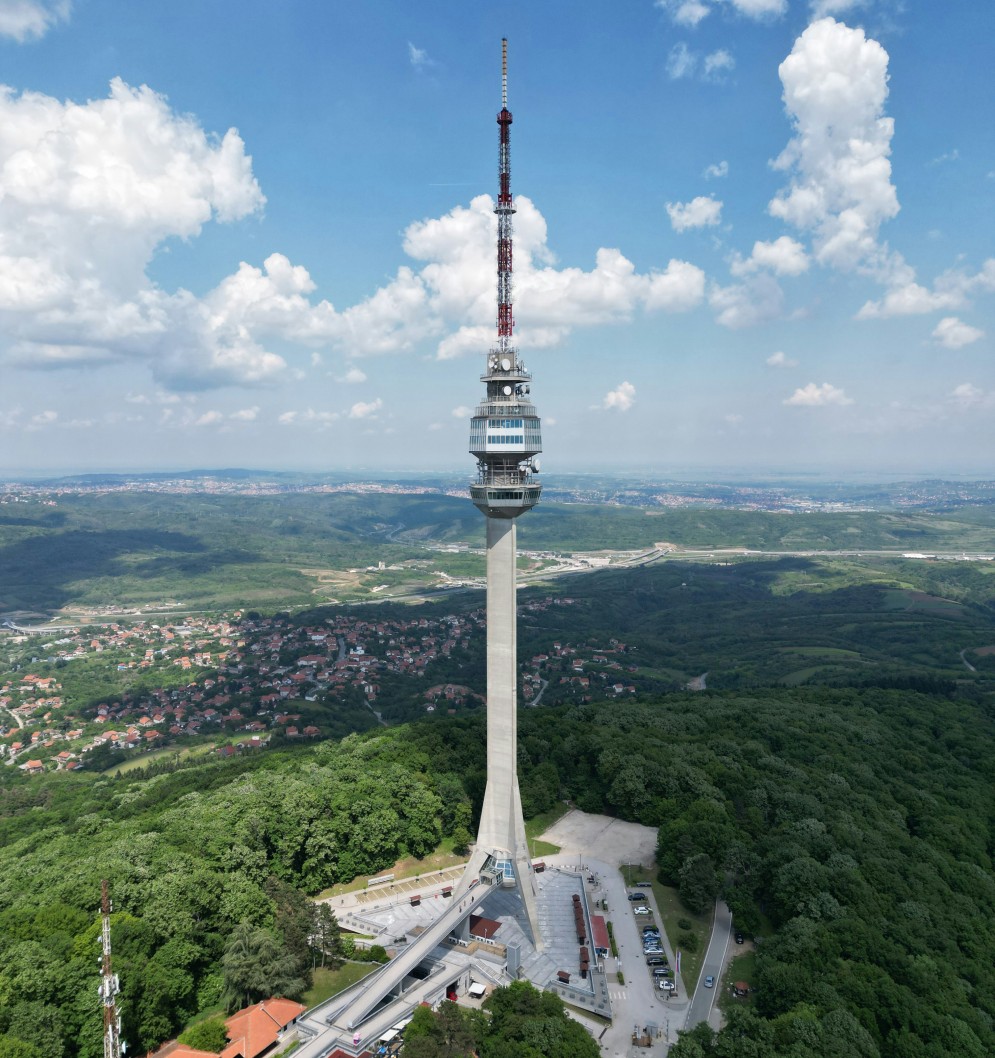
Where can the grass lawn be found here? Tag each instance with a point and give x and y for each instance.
(539, 825)
(671, 909)
(741, 968)
(145, 759)
(328, 983)
(407, 868)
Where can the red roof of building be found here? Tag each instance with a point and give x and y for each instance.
(253, 1031)
(599, 932)
(181, 1050)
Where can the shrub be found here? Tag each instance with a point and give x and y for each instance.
(688, 941)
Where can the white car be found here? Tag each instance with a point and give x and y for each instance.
(641, 911)
(667, 986)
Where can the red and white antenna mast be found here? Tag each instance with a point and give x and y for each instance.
(109, 985)
(504, 211)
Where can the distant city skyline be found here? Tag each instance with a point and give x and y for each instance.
(753, 237)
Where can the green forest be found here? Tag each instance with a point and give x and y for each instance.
(850, 829)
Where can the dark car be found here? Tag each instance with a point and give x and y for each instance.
(655, 960)
(637, 896)
(644, 885)
(739, 937)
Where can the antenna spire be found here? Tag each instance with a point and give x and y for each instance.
(504, 211)
(504, 73)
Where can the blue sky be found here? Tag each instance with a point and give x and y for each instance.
(752, 235)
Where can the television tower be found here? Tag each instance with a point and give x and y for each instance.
(109, 985)
(505, 440)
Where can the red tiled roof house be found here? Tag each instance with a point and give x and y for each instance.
(256, 1030)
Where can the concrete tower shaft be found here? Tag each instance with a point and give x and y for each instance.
(505, 439)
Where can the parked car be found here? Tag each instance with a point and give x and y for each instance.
(655, 960)
(641, 911)
(637, 896)
(644, 885)
(709, 981)
(661, 971)
(652, 951)
(667, 986)
(739, 937)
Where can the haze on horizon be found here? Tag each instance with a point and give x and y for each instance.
(750, 235)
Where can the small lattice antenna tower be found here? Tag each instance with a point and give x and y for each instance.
(109, 984)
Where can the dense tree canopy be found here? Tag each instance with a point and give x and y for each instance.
(850, 829)
(519, 1022)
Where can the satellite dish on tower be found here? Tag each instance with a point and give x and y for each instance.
(505, 364)
(506, 391)
(535, 465)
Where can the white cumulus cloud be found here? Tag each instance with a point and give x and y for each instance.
(967, 395)
(365, 409)
(840, 192)
(353, 376)
(681, 62)
(691, 12)
(621, 398)
(955, 334)
(758, 299)
(814, 396)
(43, 418)
(820, 8)
(245, 414)
(835, 85)
(783, 257)
(87, 193)
(700, 212)
(716, 171)
(457, 283)
(685, 12)
(780, 359)
(462, 412)
(718, 62)
(30, 19)
(952, 290)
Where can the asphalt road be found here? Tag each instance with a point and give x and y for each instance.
(703, 1006)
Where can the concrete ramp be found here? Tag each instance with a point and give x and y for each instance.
(355, 1005)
